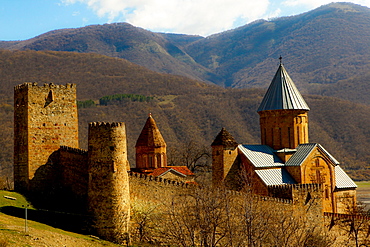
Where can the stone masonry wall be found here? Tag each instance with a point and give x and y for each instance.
(108, 192)
(154, 189)
(45, 118)
(284, 128)
(73, 171)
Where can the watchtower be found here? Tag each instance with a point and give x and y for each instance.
(45, 118)
(108, 189)
(224, 154)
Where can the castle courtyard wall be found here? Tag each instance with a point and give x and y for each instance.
(73, 170)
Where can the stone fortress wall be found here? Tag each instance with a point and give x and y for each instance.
(46, 156)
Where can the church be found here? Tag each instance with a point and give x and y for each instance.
(285, 157)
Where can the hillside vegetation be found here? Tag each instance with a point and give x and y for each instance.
(326, 50)
(184, 109)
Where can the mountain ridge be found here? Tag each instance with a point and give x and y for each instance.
(185, 110)
(321, 46)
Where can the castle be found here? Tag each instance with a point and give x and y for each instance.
(47, 158)
(285, 157)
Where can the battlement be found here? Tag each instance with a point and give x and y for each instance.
(106, 125)
(275, 199)
(308, 187)
(286, 191)
(303, 187)
(164, 181)
(27, 85)
(73, 150)
(346, 216)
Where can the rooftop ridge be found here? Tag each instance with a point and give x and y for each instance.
(164, 181)
(73, 150)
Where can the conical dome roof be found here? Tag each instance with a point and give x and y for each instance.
(224, 138)
(282, 94)
(150, 136)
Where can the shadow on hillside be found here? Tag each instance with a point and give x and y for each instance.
(66, 221)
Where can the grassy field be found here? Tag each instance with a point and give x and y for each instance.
(363, 192)
(363, 184)
(13, 228)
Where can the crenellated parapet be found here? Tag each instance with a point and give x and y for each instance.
(28, 85)
(296, 192)
(346, 216)
(163, 181)
(275, 199)
(106, 125)
(73, 150)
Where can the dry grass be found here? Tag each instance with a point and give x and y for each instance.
(12, 230)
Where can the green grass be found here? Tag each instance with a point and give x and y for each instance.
(12, 229)
(20, 201)
(362, 184)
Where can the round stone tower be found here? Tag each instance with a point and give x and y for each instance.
(108, 191)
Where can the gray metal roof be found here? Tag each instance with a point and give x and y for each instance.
(282, 94)
(276, 176)
(261, 155)
(342, 180)
(303, 150)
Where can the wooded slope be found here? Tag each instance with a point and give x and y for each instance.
(184, 109)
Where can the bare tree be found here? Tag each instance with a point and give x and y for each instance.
(356, 224)
(144, 220)
(192, 155)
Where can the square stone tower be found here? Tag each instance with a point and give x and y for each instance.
(45, 117)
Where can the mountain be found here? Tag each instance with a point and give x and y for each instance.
(158, 52)
(320, 48)
(185, 110)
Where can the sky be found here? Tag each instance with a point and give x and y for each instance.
(24, 19)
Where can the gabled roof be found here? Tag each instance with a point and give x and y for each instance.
(303, 150)
(150, 135)
(180, 170)
(275, 176)
(342, 180)
(261, 156)
(282, 94)
(224, 138)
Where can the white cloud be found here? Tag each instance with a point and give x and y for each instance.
(201, 17)
(318, 3)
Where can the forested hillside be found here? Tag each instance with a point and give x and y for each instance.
(185, 110)
(326, 50)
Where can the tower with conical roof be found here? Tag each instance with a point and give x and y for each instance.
(283, 114)
(150, 147)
